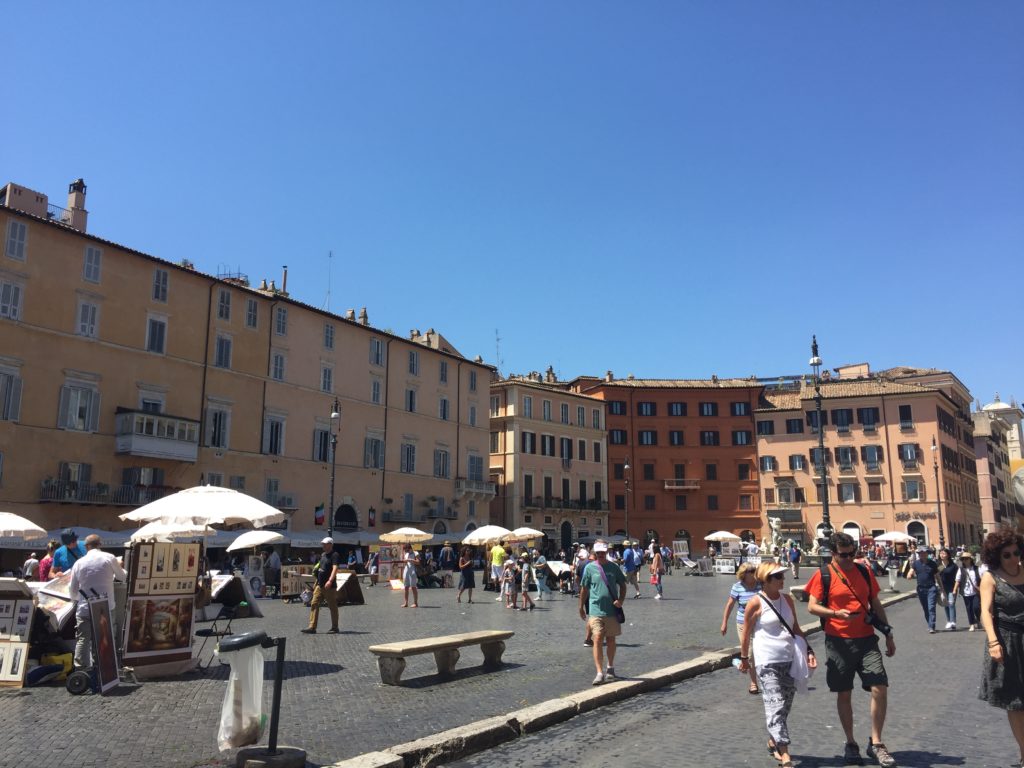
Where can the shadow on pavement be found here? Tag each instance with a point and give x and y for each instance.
(460, 674)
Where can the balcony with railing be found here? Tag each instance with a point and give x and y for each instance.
(402, 516)
(59, 215)
(442, 514)
(283, 501)
(557, 503)
(474, 490)
(682, 484)
(156, 436)
(74, 492)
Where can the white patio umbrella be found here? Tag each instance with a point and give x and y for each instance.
(19, 529)
(208, 504)
(406, 536)
(485, 535)
(895, 537)
(721, 536)
(251, 539)
(523, 534)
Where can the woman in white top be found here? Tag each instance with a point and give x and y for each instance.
(967, 580)
(770, 618)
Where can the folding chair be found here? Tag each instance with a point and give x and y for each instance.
(226, 612)
(692, 569)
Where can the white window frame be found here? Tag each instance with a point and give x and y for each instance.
(16, 245)
(88, 327)
(223, 339)
(377, 352)
(79, 406)
(407, 461)
(442, 463)
(546, 410)
(161, 281)
(11, 292)
(92, 265)
(214, 414)
(414, 362)
(278, 366)
(373, 452)
(322, 444)
(154, 318)
(563, 412)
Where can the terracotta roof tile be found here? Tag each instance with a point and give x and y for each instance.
(682, 383)
(790, 398)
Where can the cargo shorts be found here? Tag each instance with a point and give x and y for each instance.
(849, 656)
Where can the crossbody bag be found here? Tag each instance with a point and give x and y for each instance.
(620, 615)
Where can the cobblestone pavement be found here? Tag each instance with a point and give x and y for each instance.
(935, 718)
(333, 703)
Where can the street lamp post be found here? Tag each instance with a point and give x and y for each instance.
(826, 521)
(335, 426)
(625, 470)
(938, 496)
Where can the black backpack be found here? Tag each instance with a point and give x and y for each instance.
(826, 584)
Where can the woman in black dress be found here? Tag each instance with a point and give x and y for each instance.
(467, 578)
(1002, 615)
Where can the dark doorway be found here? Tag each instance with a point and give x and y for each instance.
(345, 518)
(566, 537)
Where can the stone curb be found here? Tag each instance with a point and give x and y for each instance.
(456, 743)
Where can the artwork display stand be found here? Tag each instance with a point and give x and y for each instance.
(17, 609)
(159, 617)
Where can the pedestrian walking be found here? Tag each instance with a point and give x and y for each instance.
(794, 560)
(325, 572)
(745, 588)
(845, 596)
(410, 578)
(447, 560)
(30, 568)
(373, 567)
(948, 571)
(631, 560)
(967, 582)
(666, 559)
(1002, 615)
(657, 571)
(467, 577)
(602, 592)
(497, 568)
(926, 570)
(540, 574)
(524, 570)
(783, 657)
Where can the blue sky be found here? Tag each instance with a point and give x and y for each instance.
(658, 188)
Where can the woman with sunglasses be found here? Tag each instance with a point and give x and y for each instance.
(1002, 616)
(770, 619)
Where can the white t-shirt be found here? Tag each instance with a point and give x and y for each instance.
(968, 582)
(96, 571)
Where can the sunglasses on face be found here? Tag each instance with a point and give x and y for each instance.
(845, 554)
(1011, 555)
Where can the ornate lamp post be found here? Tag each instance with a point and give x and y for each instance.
(826, 521)
(335, 427)
(938, 496)
(625, 470)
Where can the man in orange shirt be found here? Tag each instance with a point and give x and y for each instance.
(845, 596)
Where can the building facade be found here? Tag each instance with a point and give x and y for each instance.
(992, 435)
(898, 454)
(681, 455)
(548, 458)
(124, 377)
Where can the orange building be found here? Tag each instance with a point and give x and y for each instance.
(682, 456)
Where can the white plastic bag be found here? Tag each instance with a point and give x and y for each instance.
(241, 717)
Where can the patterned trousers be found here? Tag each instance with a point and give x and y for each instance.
(777, 691)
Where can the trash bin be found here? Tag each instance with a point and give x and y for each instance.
(241, 718)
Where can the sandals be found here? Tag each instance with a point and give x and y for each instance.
(788, 763)
(753, 690)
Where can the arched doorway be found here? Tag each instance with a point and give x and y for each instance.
(345, 518)
(440, 527)
(651, 535)
(916, 529)
(565, 536)
(853, 530)
(470, 527)
(747, 535)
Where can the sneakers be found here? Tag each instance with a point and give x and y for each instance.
(308, 631)
(952, 626)
(851, 754)
(931, 630)
(588, 643)
(599, 679)
(974, 628)
(880, 754)
(657, 597)
(610, 673)
(949, 625)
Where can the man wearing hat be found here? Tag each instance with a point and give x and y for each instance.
(326, 571)
(928, 584)
(967, 580)
(66, 556)
(602, 591)
(446, 563)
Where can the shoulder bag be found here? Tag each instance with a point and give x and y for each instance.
(620, 615)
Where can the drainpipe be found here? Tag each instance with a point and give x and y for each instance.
(458, 423)
(206, 366)
(888, 464)
(387, 399)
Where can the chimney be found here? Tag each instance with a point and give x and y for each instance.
(350, 314)
(364, 319)
(76, 204)
(714, 378)
(263, 285)
(273, 288)
(284, 281)
(609, 376)
(549, 375)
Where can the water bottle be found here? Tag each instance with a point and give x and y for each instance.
(736, 662)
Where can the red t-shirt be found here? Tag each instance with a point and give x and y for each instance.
(840, 597)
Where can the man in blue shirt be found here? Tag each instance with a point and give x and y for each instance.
(65, 557)
(602, 590)
(631, 565)
(927, 572)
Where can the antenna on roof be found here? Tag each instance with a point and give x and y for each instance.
(497, 350)
(330, 258)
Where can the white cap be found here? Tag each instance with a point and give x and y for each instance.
(327, 540)
(600, 546)
(778, 569)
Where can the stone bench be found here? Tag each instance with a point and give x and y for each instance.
(391, 656)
